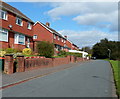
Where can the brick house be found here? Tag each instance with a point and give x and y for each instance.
(16, 28)
(43, 32)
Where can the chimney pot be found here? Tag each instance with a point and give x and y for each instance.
(48, 24)
(65, 36)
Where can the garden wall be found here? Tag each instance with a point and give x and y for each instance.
(22, 64)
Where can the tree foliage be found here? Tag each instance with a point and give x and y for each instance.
(100, 50)
(45, 49)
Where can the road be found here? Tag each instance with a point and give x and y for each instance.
(90, 79)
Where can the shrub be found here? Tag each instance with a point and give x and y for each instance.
(2, 53)
(45, 49)
(74, 54)
(27, 51)
(10, 50)
(62, 53)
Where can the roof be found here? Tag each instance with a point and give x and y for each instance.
(9, 8)
(50, 29)
(55, 32)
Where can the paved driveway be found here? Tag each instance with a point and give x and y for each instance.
(91, 79)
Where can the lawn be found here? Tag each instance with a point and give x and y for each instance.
(116, 68)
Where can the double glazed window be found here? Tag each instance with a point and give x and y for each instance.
(29, 26)
(3, 14)
(3, 35)
(35, 37)
(19, 39)
(19, 21)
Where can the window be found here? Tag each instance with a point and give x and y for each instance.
(3, 14)
(29, 26)
(19, 21)
(19, 39)
(62, 39)
(35, 37)
(54, 36)
(58, 38)
(3, 35)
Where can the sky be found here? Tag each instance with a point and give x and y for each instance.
(84, 23)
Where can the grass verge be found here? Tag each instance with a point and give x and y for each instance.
(116, 73)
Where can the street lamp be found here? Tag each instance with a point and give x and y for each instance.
(109, 52)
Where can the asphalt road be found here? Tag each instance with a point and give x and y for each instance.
(91, 79)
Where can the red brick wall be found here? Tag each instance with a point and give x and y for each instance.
(68, 44)
(12, 21)
(42, 33)
(58, 42)
(11, 44)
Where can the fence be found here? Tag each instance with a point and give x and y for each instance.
(22, 64)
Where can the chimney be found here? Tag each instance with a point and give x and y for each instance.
(65, 36)
(47, 24)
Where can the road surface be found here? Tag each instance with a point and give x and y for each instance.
(90, 79)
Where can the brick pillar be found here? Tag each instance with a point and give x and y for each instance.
(9, 64)
(72, 59)
(20, 63)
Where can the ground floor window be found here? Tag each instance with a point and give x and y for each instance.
(19, 39)
(3, 35)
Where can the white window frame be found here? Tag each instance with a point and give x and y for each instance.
(29, 26)
(62, 39)
(6, 32)
(54, 36)
(58, 38)
(18, 18)
(35, 37)
(17, 37)
(5, 15)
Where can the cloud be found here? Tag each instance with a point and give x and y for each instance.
(88, 38)
(88, 13)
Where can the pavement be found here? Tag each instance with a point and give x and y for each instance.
(19, 77)
(88, 79)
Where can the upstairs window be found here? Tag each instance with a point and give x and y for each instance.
(58, 38)
(19, 21)
(29, 26)
(3, 35)
(3, 14)
(20, 39)
(62, 39)
(54, 36)
(35, 37)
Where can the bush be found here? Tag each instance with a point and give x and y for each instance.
(62, 53)
(2, 53)
(45, 49)
(74, 54)
(10, 50)
(27, 51)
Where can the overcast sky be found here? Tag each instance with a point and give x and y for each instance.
(85, 23)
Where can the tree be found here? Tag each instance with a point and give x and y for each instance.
(100, 50)
(45, 49)
(87, 49)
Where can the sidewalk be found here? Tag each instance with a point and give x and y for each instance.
(24, 76)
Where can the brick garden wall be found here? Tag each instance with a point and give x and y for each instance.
(25, 64)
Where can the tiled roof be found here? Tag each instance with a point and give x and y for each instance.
(9, 8)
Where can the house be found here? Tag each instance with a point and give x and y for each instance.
(16, 30)
(43, 32)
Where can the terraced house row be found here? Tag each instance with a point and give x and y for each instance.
(18, 31)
